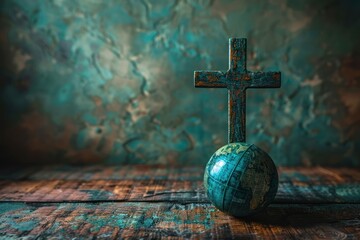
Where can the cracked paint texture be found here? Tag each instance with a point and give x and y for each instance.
(112, 81)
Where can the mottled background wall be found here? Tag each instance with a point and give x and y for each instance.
(112, 81)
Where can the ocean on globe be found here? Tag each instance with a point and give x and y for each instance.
(240, 179)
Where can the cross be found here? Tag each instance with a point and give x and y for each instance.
(237, 79)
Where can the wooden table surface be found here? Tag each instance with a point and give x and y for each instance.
(160, 202)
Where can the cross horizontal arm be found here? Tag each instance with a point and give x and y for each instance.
(264, 79)
(210, 79)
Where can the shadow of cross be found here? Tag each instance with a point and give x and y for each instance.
(237, 79)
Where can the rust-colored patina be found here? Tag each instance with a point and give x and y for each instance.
(133, 202)
(237, 79)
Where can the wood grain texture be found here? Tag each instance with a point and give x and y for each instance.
(144, 183)
(157, 202)
(176, 221)
(164, 172)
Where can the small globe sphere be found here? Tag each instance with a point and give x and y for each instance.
(240, 179)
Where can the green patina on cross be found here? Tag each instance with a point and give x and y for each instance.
(237, 79)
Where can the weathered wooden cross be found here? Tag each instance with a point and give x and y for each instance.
(237, 79)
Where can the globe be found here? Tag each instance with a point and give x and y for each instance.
(240, 179)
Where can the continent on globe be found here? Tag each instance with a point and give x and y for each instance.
(240, 179)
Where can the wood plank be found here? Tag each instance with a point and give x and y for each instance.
(164, 172)
(102, 190)
(161, 190)
(102, 172)
(176, 221)
(140, 183)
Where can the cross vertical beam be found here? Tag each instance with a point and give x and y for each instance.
(236, 95)
(237, 79)
(237, 54)
(236, 115)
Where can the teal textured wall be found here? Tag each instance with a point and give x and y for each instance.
(112, 81)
